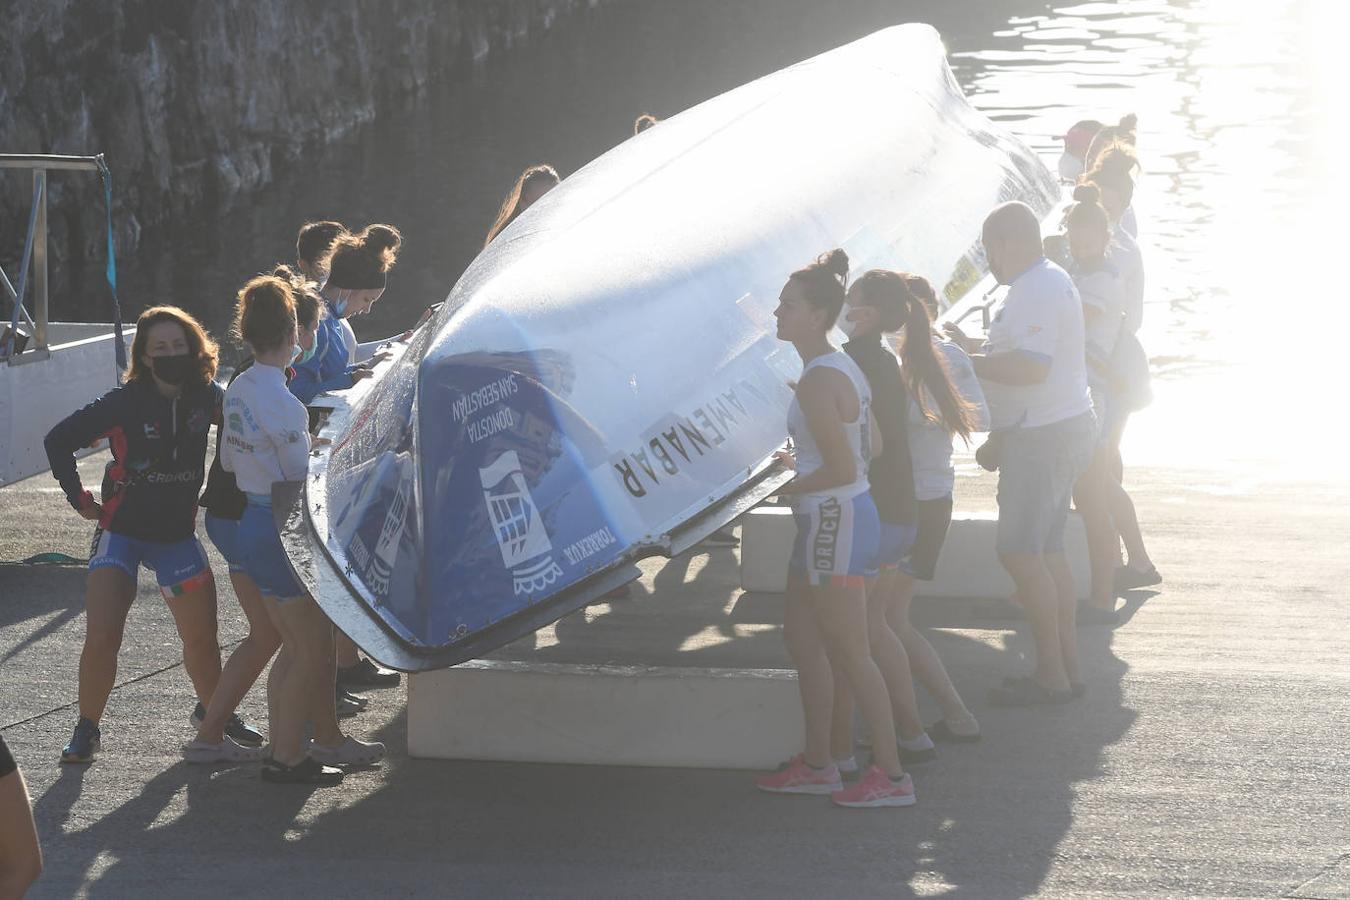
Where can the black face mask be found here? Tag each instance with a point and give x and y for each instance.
(174, 370)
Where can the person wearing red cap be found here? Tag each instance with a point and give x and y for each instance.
(1077, 140)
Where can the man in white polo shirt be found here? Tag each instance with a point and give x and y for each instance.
(1033, 371)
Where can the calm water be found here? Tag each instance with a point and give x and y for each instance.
(1235, 140)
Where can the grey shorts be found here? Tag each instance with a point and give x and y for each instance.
(1037, 469)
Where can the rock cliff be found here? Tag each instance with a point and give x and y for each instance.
(196, 102)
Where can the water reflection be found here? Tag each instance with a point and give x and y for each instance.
(1233, 117)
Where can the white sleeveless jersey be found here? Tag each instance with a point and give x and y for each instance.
(859, 432)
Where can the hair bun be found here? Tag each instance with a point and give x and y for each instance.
(835, 262)
(1128, 122)
(286, 273)
(382, 242)
(1087, 193)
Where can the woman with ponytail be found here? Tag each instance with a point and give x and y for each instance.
(942, 399)
(222, 736)
(267, 442)
(834, 437)
(358, 268)
(1113, 179)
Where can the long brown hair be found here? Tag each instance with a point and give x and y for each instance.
(510, 207)
(1125, 132)
(362, 261)
(905, 300)
(199, 343)
(1113, 171)
(309, 307)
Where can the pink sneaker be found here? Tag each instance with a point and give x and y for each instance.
(799, 778)
(876, 789)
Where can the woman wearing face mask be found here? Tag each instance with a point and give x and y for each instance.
(358, 267)
(835, 553)
(266, 442)
(222, 736)
(157, 425)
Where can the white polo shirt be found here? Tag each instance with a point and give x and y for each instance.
(1041, 315)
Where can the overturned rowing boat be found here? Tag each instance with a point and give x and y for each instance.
(603, 383)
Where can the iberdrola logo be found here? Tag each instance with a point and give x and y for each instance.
(521, 536)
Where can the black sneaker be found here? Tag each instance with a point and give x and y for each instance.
(307, 771)
(367, 674)
(916, 757)
(1128, 578)
(235, 727)
(348, 705)
(83, 744)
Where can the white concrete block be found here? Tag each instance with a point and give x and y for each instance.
(605, 715)
(968, 567)
(767, 533)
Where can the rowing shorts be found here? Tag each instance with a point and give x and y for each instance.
(837, 540)
(179, 567)
(895, 544)
(261, 554)
(224, 533)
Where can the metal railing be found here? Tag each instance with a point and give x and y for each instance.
(35, 249)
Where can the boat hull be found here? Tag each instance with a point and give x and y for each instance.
(603, 383)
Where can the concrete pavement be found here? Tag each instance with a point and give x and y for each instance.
(1208, 759)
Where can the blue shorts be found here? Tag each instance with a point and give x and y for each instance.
(262, 556)
(1036, 472)
(895, 545)
(224, 533)
(179, 567)
(837, 540)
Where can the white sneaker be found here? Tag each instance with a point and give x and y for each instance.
(350, 752)
(228, 750)
(847, 766)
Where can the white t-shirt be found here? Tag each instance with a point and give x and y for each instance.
(1040, 315)
(930, 446)
(1123, 253)
(1103, 289)
(858, 432)
(266, 431)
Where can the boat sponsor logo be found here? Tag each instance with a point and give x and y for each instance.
(493, 423)
(490, 394)
(679, 441)
(827, 536)
(386, 547)
(518, 526)
(591, 544)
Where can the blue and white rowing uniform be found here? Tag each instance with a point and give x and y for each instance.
(266, 441)
(838, 531)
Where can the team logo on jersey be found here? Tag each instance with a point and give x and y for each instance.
(152, 430)
(198, 421)
(521, 536)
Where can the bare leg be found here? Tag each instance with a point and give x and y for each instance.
(20, 853)
(245, 663)
(923, 659)
(1089, 498)
(1037, 593)
(1066, 606)
(841, 614)
(814, 678)
(1122, 505)
(891, 659)
(347, 654)
(194, 612)
(305, 634)
(109, 594)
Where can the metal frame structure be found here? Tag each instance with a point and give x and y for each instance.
(35, 245)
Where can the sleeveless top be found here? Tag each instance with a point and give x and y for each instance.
(857, 432)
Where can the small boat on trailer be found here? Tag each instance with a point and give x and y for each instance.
(603, 384)
(47, 369)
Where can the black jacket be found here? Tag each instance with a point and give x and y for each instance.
(159, 456)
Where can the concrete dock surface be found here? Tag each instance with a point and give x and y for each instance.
(1208, 758)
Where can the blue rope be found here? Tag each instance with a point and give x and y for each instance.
(119, 344)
